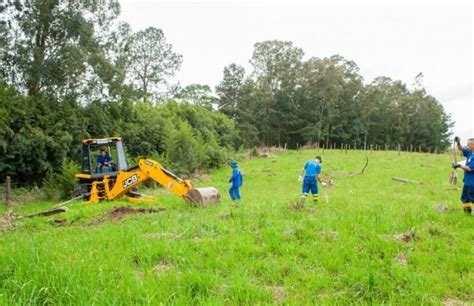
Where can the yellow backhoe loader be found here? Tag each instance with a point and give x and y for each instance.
(117, 180)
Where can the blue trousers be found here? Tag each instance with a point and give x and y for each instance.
(310, 184)
(98, 169)
(234, 193)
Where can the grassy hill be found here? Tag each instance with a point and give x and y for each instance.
(340, 251)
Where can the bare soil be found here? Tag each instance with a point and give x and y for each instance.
(119, 212)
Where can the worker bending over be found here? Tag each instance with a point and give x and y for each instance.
(467, 196)
(309, 174)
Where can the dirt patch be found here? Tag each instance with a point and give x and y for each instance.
(7, 221)
(58, 221)
(269, 172)
(297, 205)
(455, 302)
(434, 230)
(162, 267)
(287, 233)
(328, 234)
(120, 212)
(328, 183)
(441, 208)
(405, 237)
(279, 294)
(402, 260)
(225, 216)
(164, 235)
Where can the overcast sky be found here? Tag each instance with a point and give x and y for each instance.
(394, 40)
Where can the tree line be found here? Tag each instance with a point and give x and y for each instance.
(288, 100)
(69, 70)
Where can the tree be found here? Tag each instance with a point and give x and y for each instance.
(51, 46)
(229, 89)
(197, 94)
(151, 60)
(276, 67)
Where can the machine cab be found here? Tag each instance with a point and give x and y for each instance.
(114, 150)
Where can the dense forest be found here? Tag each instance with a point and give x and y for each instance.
(69, 70)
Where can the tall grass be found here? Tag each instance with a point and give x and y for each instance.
(262, 251)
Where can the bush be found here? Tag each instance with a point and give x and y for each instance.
(182, 150)
(61, 185)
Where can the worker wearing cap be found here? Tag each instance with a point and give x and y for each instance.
(309, 175)
(236, 181)
(467, 196)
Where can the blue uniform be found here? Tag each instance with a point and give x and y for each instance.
(236, 179)
(467, 195)
(312, 169)
(469, 175)
(101, 160)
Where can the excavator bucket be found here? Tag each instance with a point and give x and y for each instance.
(203, 196)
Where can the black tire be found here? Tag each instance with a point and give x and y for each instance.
(80, 190)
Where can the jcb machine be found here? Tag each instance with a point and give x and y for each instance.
(118, 180)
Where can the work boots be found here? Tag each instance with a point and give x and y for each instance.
(468, 208)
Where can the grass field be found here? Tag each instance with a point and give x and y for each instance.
(263, 251)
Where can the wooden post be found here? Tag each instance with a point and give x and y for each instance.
(436, 150)
(345, 146)
(411, 148)
(8, 192)
(398, 149)
(386, 147)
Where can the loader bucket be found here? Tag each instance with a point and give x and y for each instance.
(203, 196)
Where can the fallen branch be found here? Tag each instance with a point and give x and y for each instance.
(48, 212)
(399, 179)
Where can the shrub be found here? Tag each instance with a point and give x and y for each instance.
(61, 185)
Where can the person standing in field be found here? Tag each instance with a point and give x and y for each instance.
(467, 196)
(309, 176)
(236, 181)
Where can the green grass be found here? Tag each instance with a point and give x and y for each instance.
(263, 252)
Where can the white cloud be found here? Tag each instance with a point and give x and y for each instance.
(395, 40)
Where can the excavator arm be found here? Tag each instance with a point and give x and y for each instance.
(150, 169)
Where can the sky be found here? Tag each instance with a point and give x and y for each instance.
(398, 40)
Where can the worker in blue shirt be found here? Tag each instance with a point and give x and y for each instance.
(103, 160)
(310, 173)
(467, 196)
(236, 181)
